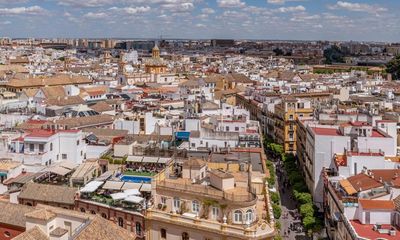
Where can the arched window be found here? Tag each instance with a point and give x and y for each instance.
(185, 236)
(103, 215)
(83, 210)
(163, 233)
(249, 216)
(138, 228)
(93, 212)
(7, 234)
(195, 206)
(51, 146)
(120, 222)
(238, 216)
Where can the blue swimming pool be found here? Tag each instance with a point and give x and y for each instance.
(135, 179)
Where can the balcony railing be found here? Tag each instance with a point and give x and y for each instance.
(207, 191)
(259, 230)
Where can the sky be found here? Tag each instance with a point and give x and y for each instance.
(358, 20)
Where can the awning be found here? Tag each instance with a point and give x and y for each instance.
(131, 185)
(59, 170)
(130, 192)
(182, 136)
(347, 187)
(68, 165)
(91, 187)
(164, 160)
(134, 199)
(118, 196)
(146, 187)
(150, 159)
(105, 176)
(113, 185)
(134, 159)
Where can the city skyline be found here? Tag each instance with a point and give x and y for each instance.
(239, 19)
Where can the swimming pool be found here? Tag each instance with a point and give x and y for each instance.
(135, 179)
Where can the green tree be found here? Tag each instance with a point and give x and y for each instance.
(275, 197)
(393, 67)
(333, 55)
(303, 198)
(308, 222)
(276, 209)
(307, 210)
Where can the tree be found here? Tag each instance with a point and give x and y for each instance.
(309, 222)
(393, 67)
(278, 52)
(307, 210)
(276, 210)
(275, 197)
(303, 198)
(333, 54)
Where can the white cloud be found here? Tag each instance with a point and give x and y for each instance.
(358, 7)
(230, 3)
(132, 10)
(280, 2)
(31, 11)
(85, 3)
(299, 8)
(5, 23)
(199, 25)
(207, 10)
(96, 15)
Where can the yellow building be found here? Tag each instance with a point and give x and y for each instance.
(155, 65)
(287, 112)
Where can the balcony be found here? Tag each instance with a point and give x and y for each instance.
(258, 230)
(207, 191)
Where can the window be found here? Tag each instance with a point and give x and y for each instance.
(195, 206)
(163, 200)
(227, 128)
(163, 233)
(290, 117)
(103, 215)
(83, 210)
(185, 236)
(215, 213)
(31, 147)
(64, 156)
(41, 148)
(249, 216)
(238, 216)
(7, 234)
(92, 212)
(51, 147)
(236, 128)
(193, 144)
(120, 222)
(81, 153)
(177, 203)
(77, 143)
(138, 228)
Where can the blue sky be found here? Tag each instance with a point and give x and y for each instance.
(369, 20)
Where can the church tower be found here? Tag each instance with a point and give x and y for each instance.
(156, 52)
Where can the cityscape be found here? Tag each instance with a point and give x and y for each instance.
(199, 120)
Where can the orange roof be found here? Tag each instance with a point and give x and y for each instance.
(377, 204)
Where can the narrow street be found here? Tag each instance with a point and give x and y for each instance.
(290, 215)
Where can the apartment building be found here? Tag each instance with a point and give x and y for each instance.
(202, 203)
(286, 114)
(45, 147)
(338, 146)
(364, 206)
